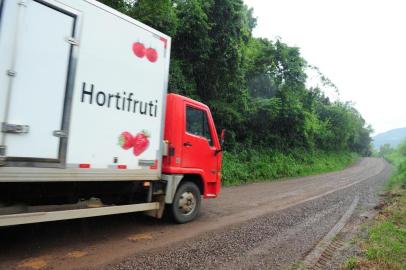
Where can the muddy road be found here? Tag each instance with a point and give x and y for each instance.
(256, 226)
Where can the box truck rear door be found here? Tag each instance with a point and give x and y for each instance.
(32, 128)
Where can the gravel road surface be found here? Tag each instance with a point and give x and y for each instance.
(257, 226)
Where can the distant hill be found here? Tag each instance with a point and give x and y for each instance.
(393, 137)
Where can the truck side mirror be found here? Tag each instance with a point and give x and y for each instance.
(223, 133)
(222, 137)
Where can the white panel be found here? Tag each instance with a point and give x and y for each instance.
(38, 91)
(106, 61)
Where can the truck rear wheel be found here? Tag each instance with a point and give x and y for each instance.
(186, 203)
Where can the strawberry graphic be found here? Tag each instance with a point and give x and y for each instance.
(140, 142)
(139, 49)
(125, 140)
(151, 55)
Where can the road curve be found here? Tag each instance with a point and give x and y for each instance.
(252, 220)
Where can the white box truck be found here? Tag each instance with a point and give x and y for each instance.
(85, 130)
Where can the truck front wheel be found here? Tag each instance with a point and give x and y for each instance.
(186, 203)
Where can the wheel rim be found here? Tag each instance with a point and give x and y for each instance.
(187, 203)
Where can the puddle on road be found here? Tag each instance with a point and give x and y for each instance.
(33, 263)
(76, 254)
(41, 262)
(140, 237)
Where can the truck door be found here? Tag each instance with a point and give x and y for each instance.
(37, 80)
(199, 150)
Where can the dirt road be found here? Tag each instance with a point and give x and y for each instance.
(257, 226)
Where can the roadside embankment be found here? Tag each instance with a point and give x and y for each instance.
(383, 241)
(249, 166)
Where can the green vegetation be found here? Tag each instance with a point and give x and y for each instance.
(398, 158)
(351, 263)
(385, 150)
(255, 87)
(248, 165)
(385, 247)
(387, 243)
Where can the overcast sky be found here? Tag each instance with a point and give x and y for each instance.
(360, 45)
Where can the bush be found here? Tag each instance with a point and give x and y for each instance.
(251, 165)
(398, 159)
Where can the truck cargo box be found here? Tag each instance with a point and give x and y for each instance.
(79, 81)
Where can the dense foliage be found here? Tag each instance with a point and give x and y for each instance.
(256, 87)
(250, 165)
(398, 158)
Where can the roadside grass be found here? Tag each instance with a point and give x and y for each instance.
(398, 179)
(351, 263)
(299, 265)
(249, 166)
(385, 244)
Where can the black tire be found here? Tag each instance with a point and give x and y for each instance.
(186, 203)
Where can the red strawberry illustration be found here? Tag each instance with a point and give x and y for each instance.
(152, 55)
(139, 49)
(140, 142)
(125, 140)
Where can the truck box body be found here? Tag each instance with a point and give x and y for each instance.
(75, 75)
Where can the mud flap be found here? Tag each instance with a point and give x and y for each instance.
(2, 155)
(157, 213)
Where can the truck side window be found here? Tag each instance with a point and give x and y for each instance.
(196, 123)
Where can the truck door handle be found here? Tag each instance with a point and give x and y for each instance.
(187, 144)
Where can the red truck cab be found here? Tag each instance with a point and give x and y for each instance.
(194, 147)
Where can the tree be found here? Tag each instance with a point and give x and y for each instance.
(385, 150)
(191, 46)
(402, 148)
